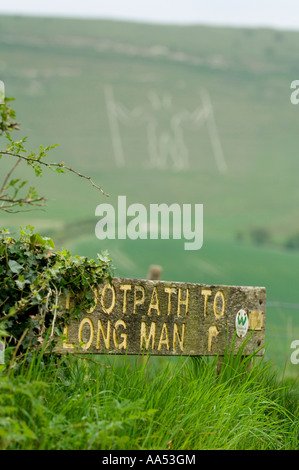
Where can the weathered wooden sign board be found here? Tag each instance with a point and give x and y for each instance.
(133, 316)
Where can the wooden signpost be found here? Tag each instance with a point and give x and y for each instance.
(133, 316)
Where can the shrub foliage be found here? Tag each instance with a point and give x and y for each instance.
(33, 280)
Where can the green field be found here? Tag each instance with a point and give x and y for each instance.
(59, 71)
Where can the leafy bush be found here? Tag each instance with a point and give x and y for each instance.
(33, 279)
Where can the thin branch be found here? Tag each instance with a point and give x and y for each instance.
(21, 210)
(55, 313)
(12, 125)
(56, 165)
(16, 350)
(1, 305)
(18, 202)
(8, 176)
(43, 315)
(15, 202)
(81, 176)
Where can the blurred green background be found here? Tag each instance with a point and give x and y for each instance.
(241, 152)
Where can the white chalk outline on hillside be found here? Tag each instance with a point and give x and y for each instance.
(165, 149)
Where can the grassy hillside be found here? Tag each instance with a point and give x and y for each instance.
(61, 73)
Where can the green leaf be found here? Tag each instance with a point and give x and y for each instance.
(21, 284)
(14, 266)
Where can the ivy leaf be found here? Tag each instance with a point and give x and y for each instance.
(21, 283)
(49, 242)
(33, 279)
(14, 266)
(103, 257)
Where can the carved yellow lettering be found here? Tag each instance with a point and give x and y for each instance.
(213, 332)
(65, 344)
(255, 320)
(104, 291)
(219, 295)
(178, 337)
(206, 293)
(169, 291)
(125, 288)
(123, 336)
(154, 302)
(144, 338)
(86, 321)
(96, 298)
(139, 301)
(106, 335)
(164, 338)
(183, 302)
(67, 301)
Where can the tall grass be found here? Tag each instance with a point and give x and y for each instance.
(146, 403)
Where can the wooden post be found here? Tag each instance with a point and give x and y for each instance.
(154, 272)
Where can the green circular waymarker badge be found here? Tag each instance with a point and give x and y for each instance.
(241, 323)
